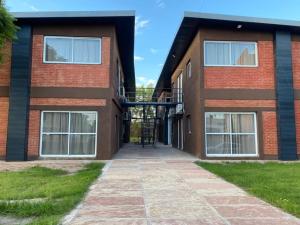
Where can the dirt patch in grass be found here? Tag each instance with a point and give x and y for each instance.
(59, 191)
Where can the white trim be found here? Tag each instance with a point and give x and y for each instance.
(179, 89)
(72, 38)
(67, 133)
(231, 134)
(231, 65)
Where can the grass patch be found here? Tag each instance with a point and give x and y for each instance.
(276, 183)
(59, 192)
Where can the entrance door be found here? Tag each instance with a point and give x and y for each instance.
(117, 134)
(180, 134)
(170, 131)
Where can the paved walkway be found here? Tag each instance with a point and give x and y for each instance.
(163, 187)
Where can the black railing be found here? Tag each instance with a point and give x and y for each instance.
(174, 95)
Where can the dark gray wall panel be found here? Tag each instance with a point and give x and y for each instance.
(17, 135)
(285, 97)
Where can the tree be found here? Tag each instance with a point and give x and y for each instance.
(8, 28)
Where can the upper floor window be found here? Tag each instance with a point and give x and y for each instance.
(189, 69)
(230, 53)
(76, 50)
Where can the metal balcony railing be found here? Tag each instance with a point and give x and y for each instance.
(174, 95)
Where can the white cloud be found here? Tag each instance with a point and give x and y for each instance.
(33, 8)
(161, 4)
(140, 24)
(138, 58)
(151, 81)
(153, 50)
(144, 81)
(141, 78)
(30, 6)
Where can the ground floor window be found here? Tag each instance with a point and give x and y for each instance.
(68, 133)
(230, 134)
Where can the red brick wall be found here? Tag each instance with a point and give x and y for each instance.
(69, 75)
(67, 101)
(34, 134)
(296, 63)
(5, 66)
(297, 115)
(240, 103)
(3, 125)
(270, 133)
(261, 77)
(296, 82)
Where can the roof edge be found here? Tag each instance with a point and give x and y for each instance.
(70, 14)
(249, 19)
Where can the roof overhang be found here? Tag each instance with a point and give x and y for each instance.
(190, 25)
(124, 22)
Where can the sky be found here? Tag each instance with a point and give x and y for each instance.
(157, 21)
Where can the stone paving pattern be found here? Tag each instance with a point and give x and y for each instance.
(162, 186)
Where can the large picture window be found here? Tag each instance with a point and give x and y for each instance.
(230, 53)
(76, 50)
(68, 133)
(231, 134)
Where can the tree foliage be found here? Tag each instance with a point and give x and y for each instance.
(7, 28)
(143, 94)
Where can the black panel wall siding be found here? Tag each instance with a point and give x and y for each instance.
(285, 97)
(17, 134)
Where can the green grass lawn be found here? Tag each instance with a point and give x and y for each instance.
(276, 183)
(59, 191)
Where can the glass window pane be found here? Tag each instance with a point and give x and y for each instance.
(243, 144)
(84, 122)
(55, 122)
(82, 144)
(189, 69)
(217, 53)
(58, 50)
(218, 144)
(86, 51)
(217, 123)
(243, 53)
(242, 123)
(55, 144)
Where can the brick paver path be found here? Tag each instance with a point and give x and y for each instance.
(164, 187)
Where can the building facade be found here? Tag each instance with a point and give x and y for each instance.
(240, 95)
(62, 84)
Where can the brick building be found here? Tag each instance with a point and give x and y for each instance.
(62, 84)
(240, 80)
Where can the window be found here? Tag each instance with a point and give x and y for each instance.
(189, 69)
(75, 50)
(230, 53)
(68, 134)
(230, 134)
(179, 88)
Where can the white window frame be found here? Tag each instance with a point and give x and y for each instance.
(230, 59)
(230, 133)
(179, 90)
(72, 38)
(68, 133)
(189, 69)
